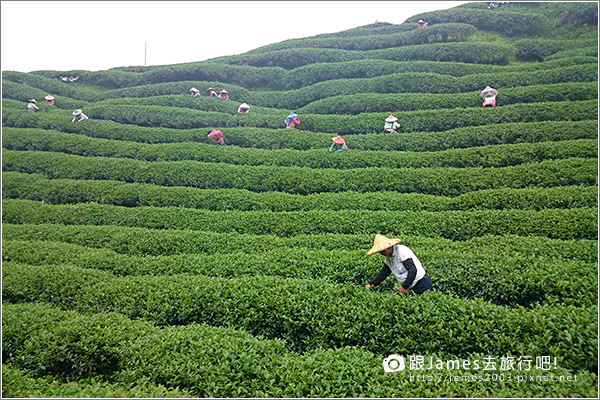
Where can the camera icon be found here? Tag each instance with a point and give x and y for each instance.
(393, 363)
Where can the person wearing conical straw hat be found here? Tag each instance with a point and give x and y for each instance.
(243, 108)
(402, 262)
(223, 94)
(338, 145)
(422, 24)
(489, 95)
(195, 92)
(79, 116)
(391, 125)
(212, 92)
(49, 99)
(31, 107)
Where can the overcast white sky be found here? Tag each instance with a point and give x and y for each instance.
(98, 35)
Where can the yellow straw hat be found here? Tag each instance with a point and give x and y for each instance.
(382, 243)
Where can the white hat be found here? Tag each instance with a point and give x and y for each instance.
(32, 101)
(76, 112)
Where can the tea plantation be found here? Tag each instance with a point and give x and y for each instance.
(142, 260)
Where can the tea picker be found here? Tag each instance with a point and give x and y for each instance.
(223, 94)
(338, 145)
(403, 263)
(291, 121)
(31, 107)
(212, 92)
(243, 108)
(195, 92)
(217, 136)
(79, 116)
(391, 125)
(489, 96)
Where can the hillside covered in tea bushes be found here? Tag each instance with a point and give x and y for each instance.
(142, 260)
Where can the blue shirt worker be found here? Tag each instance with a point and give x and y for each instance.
(402, 262)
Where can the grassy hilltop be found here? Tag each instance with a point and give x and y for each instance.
(141, 260)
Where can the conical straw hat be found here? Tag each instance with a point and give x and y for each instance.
(382, 243)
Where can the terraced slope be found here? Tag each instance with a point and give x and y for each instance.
(141, 260)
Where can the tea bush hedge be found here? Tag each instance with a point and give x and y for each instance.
(488, 156)
(439, 33)
(150, 367)
(140, 260)
(37, 187)
(411, 121)
(302, 180)
(313, 73)
(153, 242)
(467, 276)
(456, 225)
(284, 138)
(501, 21)
(476, 53)
(277, 78)
(279, 308)
(394, 102)
(539, 49)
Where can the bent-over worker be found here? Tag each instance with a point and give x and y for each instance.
(391, 125)
(291, 121)
(217, 136)
(79, 116)
(31, 107)
(489, 95)
(338, 145)
(195, 92)
(403, 263)
(243, 108)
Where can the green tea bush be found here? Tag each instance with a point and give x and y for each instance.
(477, 53)
(285, 138)
(23, 92)
(37, 187)
(446, 119)
(456, 225)
(394, 102)
(302, 180)
(18, 384)
(152, 242)
(488, 156)
(539, 49)
(504, 22)
(591, 51)
(313, 73)
(467, 276)
(279, 308)
(412, 121)
(42, 84)
(438, 33)
(151, 366)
